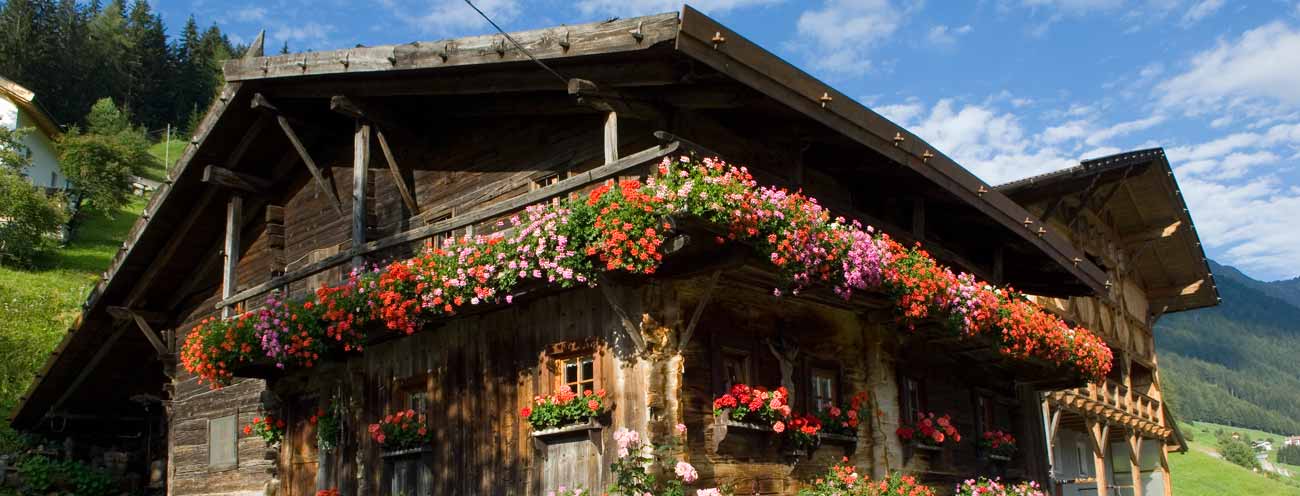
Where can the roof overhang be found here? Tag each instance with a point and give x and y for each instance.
(1138, 194)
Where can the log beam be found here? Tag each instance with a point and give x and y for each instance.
(699, 310)
(404, 182)
(611, 137)
(360, 178)
(234, 218)
(123, 313)
(1134, 460)
(221, 176)
(260, 102)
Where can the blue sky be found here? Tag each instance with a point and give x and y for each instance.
(1008, 88)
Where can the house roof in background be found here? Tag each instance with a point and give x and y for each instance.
(25, 99)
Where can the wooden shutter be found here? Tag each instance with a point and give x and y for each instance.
(222, 442)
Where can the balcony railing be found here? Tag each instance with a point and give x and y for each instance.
(1117, 396)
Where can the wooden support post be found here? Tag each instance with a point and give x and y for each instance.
(275, 238)
(360, 168)
(1134, 460)
(611, 137)
(1164, 470)
(141, 319)
(234, 217)
(1097, 432)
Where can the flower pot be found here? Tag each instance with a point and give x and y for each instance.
(750, 435)
(848, 442)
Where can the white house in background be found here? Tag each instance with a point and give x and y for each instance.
(1292, 441)
(18, 110)
(1263, 445)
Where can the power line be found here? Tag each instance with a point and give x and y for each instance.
(516, 43)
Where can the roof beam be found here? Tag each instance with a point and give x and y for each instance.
(619, 35)
(221, 176)
(260, 102)
(1176, 291)
(1157, 233)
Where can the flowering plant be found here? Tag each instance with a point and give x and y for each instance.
(995, 487)
(930, 430)
(333, 491)
(622, 228)
(269, 429)
(998, 443)
(565, 407)
(566, 491)
(843, 420)
(755, 405)
(401, 430)
(329, 426)
(634, 469)
(803, 430)
(843, 480)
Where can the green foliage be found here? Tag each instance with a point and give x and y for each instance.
(100, 163)
(1235, 363)
(564, 408)
(30, 222)
(73, 53)
(1289, 455)
(1196, 473)
(43, 475)
(1238, 452)
(14, 155)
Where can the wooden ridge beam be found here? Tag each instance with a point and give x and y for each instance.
(221, 176)
(562, 187)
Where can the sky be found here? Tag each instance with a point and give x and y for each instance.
(1007, 88)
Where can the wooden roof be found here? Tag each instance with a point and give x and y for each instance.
(1150, 219)
(174, 242)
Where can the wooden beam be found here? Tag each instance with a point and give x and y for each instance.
(400, 179)
(587, 93)
(1096, 438)
(229, 278)
(562, 187)
(1134, 460)
(1176, 291)
(611, 137)
(629, 326)
(1056, 424)
(260, 102)
(221, 176)
(1166, 231)
(126, 313)
(257, 47)
(699, 310)
(595, 38)
(360, 178)
(90, 366)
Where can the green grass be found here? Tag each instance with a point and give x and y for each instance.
(1198, 473)
(38, 304)
(160, 151)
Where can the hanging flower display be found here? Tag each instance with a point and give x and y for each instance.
(563, 408)
(401, 430)
(998, 443)
(269, 429)
(621, 228)
(930, 430)
(843, 419)
(755, 405)
(802, 431)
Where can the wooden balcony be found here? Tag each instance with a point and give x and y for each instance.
(1117, 404)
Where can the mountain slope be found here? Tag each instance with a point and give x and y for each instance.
(1238, 363)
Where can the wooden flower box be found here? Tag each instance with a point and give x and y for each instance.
(589, 430)
(848, 441)
(748, 437)
(1000, 458)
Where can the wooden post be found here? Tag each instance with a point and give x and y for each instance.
(1134, 460)
(1164, 469)
(234, 216)
(1097, 433)
(611, 137)
(360, 166)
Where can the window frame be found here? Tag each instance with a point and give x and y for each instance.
(234, 443)
(908, 386)
(560, 353)
(744, 358)
(824, 368)
(407, 387)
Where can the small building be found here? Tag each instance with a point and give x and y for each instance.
(19, 109)
(1262, 445)
(333, 182)
(1292, 441)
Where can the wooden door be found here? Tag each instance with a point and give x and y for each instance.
(301, 439)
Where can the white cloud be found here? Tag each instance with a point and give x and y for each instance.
(1201, 10)
(643, 7)
(309, 33)
(1102, 135)
(943, 35)
(1075, 6)
(1252, 75)
(902, 112)
(251, 14)
(1252, 222)
(451, 17)
(838, 37)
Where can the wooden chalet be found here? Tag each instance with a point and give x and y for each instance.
(310, 165)
(1126, 213)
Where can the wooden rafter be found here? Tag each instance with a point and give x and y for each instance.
(400, 179)
(260, 102)
(246, 183)
(699, 309)
(138, 317)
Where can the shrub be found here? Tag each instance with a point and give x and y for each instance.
(1240, 453)
(41, 475)
(29, 221)
(100, 163)
(1289, 455)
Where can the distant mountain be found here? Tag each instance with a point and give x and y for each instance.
(1237, 363)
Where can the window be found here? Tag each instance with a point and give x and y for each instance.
(912, 399)
(222, 442)
(546, 180)
(412, 394)
(735, 368)
(579, 373)
(824, 385)
(984, 416)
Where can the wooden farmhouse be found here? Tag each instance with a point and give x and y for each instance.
(332, 177)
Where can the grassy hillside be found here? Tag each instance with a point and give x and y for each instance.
(1199, 472)
(163, 153)
(1214, 361)
(38, 304)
